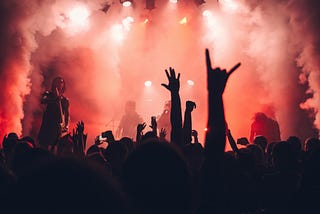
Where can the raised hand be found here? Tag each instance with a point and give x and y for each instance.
(174, 82)
(194, 133)
(154, 124)
(216, 77)
(80, 127)
(141, 127)
(163, 134)
(190, 106)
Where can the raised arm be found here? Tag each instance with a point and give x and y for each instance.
(66, 111)
(187, 124)
(215, 136)
(232, 142)
(175, 114)
(79, 139)
(140, 128)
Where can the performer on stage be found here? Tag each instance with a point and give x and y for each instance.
(129, 121)
(164, 119)
(265, 126)
(56, 116)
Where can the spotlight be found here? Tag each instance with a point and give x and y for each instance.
(148, 83)
(150, 4)
(190, 82)
(174, 1)
(126, 3)
(183, 21)
(206, 13)
(199, 2)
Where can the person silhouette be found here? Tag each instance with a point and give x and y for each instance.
(55, 119)
(129, 121)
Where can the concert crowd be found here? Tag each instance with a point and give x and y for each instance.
(166, 170)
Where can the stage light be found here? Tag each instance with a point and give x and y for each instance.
(76, 19)
(230, 4)
(205, 129)
(78, 15)
(190, 82)
(127, 22)
(183, 21)
(126, 3)
(206, 13)
(173, 1)
(117, 32)
(150, 4)
(148, 83)
(145, 21)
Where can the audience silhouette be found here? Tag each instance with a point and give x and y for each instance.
(152, 175)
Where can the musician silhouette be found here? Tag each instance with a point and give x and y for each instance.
(55, 119)
(264, 126)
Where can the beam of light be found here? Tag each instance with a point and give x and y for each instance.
(173, 1)
(79, 15)
(190, 82)
(231, 5)
(75, 20)
(148, 83)
(127, 22)
(183, 21)
(117, 32)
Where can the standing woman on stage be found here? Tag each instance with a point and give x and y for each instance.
(55, 119)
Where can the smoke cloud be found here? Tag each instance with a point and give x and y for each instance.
(105, 58)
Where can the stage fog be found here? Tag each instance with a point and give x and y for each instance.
(106, 53)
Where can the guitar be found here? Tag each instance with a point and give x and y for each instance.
(63, 126)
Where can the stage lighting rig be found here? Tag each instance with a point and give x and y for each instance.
(150, 4)
(126, 3)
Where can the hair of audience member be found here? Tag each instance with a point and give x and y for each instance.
(8, 146)
(157, 179)
(194, 155)
(261, 141)
(67, 186)
(116, 153)
(258, 154)
(283, 156)
(312, 144)
(296, 145)
(95, 155)
(65, 146)
(128, 143)
(246, 159)
(29, 140)
(149, 136)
